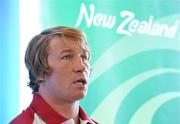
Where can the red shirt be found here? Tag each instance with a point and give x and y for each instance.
(41, 108)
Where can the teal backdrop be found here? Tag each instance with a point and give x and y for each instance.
(135, 49)
(9, 60)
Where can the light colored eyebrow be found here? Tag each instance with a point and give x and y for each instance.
(84, 51)
(64, 51)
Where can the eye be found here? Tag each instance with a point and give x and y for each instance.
(66, 57)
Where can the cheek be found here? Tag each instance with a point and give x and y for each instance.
(57, 79)
(57, 74)
(53, 75)
(60, 74)
(56, 69)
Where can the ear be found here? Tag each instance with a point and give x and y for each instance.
(41, 78)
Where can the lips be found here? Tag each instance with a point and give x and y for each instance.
(81, 81)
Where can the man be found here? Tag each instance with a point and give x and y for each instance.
(58, 63)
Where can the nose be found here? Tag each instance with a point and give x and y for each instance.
(79, 65)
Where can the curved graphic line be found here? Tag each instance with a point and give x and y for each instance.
(150, 107)
(126, 47)
(116, 97)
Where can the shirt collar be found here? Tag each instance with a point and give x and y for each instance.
(47, 114)
(71, 121)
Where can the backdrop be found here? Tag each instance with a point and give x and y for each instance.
(135, 49)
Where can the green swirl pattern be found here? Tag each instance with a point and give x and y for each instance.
(135, 79)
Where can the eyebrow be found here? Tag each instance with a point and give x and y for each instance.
(64, 51)
(70, 51)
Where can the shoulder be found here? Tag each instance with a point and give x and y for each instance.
(26, 117)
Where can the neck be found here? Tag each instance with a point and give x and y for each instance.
(69, 110)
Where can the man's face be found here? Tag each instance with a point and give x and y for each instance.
(69, 69)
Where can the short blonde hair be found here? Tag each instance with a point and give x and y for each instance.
(37, 51)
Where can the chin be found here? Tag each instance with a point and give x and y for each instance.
(80, 96)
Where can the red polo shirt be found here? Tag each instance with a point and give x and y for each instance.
(39, 107)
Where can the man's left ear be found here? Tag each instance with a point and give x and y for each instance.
(41, 78)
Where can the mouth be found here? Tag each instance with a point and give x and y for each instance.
(81, 81)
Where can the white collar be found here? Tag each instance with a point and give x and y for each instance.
(71, 121)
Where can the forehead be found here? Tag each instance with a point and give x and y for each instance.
(58, 43)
